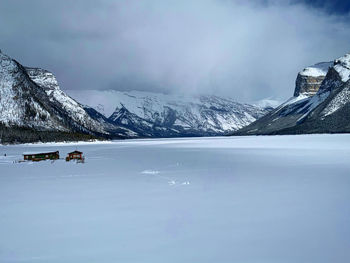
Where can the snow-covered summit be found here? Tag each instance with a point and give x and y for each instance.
(342, 66)
(319, 69)
(321, 103)
(309, 80)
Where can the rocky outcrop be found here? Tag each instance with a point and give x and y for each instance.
(326, 111)
(310, 79)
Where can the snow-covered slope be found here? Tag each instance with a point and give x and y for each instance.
(22, 103)
(326, 111)
(32, 102)
(156, 114)
(342, 66)
(77, 113)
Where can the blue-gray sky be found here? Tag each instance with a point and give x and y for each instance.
(246, 50)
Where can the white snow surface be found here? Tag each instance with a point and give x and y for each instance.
(317, 70)
(342, 66)
(310, 103)
(294, 100)
(339, 101)
(232, 199)
(268, 102)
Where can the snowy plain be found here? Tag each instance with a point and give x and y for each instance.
(224, 199)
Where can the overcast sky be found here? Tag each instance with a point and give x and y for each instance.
(247, 51)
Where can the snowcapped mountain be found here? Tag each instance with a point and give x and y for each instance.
(162, 115)
(32, 105)
(315, 108)
(20, 100)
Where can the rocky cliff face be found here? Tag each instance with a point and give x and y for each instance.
(326, 111)
(310, 79)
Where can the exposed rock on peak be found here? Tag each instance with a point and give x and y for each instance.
(326, 111)
(310, 79)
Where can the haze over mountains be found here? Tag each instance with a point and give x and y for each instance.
(34, 108)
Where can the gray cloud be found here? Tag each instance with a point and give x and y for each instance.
(243, 50)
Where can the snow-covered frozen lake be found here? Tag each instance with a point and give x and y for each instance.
(238, 199)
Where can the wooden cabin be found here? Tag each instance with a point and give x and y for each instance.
(40, 156)
(76, 155)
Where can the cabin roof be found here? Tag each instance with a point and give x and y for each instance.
(75, 152)
(37, 153)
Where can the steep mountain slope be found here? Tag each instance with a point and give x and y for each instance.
(326, 111)
(20, 102)
(79, 118)
(32, 104)
(160, 115)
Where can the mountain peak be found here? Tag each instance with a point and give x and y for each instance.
(309, 80)
(342, 66)
(319, 69)
(321, 103)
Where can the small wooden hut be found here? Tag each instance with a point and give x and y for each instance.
(76, 155)
(40, 156)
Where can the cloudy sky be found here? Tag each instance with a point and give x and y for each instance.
(247, 51)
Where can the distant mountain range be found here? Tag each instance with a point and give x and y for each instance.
(34, 108)
(160, 115)
(321, 103)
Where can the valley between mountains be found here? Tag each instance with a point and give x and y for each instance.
(33, 107)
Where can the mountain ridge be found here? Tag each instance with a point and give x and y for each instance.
(323, 112)
(168, 115)
(34, 108)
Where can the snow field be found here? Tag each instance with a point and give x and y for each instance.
(234, 199)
